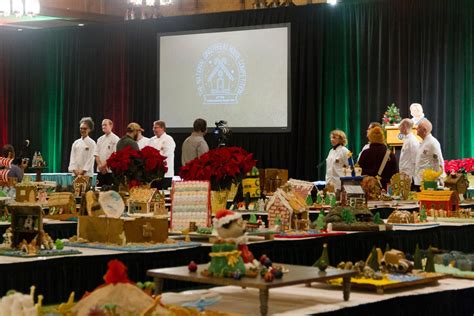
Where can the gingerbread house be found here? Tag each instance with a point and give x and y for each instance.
(353, 195)
(27, 223)
(446, 200)
(278, 207)
(80, 185)
(401, 185)
(146, 200)
(457, 182)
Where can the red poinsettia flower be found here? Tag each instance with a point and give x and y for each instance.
(137, 167)
(222, 167)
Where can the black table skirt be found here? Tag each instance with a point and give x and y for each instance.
(56, 278)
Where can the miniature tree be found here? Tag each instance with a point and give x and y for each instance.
(324, 259)
(430, 261)
(391, 116)
(320, 221)
(417, 258)
(319, 198)
(373, 261)
(332, 199)
(278, 222)
(423, 216)
(253, 219)
(377, 219)
(327, 200)
(309, 200)
(347, 216)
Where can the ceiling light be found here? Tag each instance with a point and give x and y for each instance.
(332, 2)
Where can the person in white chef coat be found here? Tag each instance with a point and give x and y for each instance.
(337, 159)
(81, 162)
(106, 145)
(166, 145)
(429, 155)
(409, 148)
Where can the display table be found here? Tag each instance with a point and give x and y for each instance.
(81, 273)
(63, 179)
(296, 275)
(449, 297)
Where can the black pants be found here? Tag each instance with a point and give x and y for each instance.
(104, 179)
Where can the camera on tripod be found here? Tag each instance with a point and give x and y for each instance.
(222, 132)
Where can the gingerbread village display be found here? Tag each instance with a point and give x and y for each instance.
(26, 237)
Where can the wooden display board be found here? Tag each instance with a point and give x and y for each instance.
(393, 136)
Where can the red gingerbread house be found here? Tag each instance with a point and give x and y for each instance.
(446, 200)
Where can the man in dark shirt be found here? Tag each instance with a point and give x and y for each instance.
(130, 138)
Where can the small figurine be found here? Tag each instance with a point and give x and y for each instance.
(7, 238)
(268, 277)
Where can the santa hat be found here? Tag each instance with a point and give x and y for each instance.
(225, 217)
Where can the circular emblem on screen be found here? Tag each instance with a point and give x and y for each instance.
(220, 75)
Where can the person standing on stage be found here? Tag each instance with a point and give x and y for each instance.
(195, 145)
(106, 145)
(409, 148)
(366, 146)
(337, 159)
(378, 161)
(166, 145)
(81, 162)
(130, 138)
(429, 155)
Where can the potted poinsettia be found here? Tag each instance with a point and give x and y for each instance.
(137, 167)
(222, 167)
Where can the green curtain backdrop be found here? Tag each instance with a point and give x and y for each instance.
(348, 63)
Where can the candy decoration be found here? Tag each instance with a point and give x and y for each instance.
(192, 266)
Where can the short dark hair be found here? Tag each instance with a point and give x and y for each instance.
(6, 149)
(200, 125)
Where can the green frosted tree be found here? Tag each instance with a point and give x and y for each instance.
(332, 199)
(253, 219)
(319, 198)
(423, 216)
(320, 221)
(377, 219)
(327, 200)
(430, 267)
(373, 260)
(417, 258)
(324, 259)
(309, 200)
(347, 216)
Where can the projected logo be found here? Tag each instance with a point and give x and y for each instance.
(221, 75)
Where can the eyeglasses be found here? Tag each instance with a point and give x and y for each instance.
(83, 128)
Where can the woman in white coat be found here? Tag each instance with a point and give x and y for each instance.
(337, 159)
